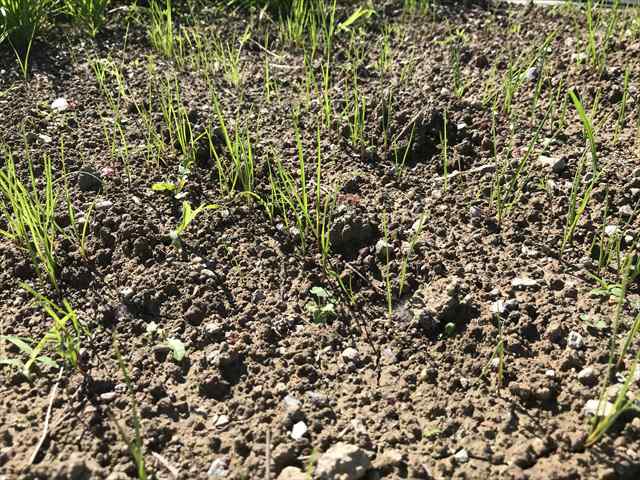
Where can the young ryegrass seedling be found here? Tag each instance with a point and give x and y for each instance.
(587, 126)
(20, 23)
(444, 150)
(29, 212)
(607, 414)
(135, 445)
(293, 200)
(623, 104)
(64, 335)
(90, 15)
(240, 171)
(161, 31)
(417, 230)
(387, 269)
(384, 57)
(506, 193)
(497, 359)
(577, 203)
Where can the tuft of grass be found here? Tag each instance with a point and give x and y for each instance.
(237, 174)
(22, 20)
(578, 201)
(607, 414)
(90, 15)
(64, 336)
(161, 31)
(28, 211)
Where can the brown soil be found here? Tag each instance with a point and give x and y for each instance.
(417, 394)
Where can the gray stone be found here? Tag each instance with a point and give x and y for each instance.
(89, 180)
(555, 164)
(291, 404)
(587, 376)
(351, 230)
(195, 314)
(342, 461)
(80, 468)
(532, 74)
(351, 354)
(383, 249)
(575, 341)
(440, 302)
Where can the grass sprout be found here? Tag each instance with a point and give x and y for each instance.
(28, 210)
(90, 15)
(188, 216)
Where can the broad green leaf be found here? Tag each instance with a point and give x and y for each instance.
(18, 342)
(177, 348)
(12, 362)
(47, 361)
(319, 292)
(163, 187)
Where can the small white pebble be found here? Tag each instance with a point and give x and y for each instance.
(298, 431)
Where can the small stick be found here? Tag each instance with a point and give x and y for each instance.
(175, 473)
(46, 419)
(267, 471)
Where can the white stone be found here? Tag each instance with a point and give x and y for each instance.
(219, 468)
(298, 431)
(593, 407)
(222, 421)
(523, 282)
(60, 104)
(610, 230)
(351, 354)
(461, 456)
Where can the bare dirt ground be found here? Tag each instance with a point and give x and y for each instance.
(263, 389)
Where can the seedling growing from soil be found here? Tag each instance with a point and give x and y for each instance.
(623, 104)
(577, 203)
(587, 125)
(175, 345)
(321, 307)
(64, 335)
(606, 413)
(135, 444)
(497, 357)
(444, 147)
(161, 32)
(24, 345)
(188, 215)
(29, 212)
(417, 230)
(90, 15)
(240, 171)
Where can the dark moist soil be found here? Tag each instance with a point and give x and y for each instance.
(417, 390)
